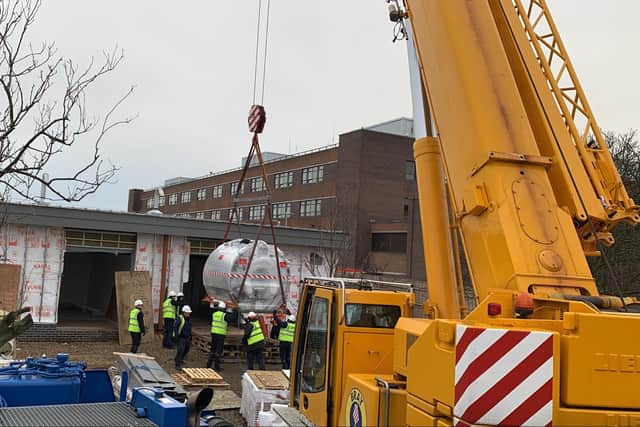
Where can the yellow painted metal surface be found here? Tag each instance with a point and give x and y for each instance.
(438, 248)
(488, 142)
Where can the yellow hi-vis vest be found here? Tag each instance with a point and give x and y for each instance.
(168, 309)
(286, 334)
(134, 326)
(181, 325)
(218, 324)
(256, 334)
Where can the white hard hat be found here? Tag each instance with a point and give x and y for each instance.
(291, 318)
(172, 294)
(251, 314)
(179, 294)
(138, 302)
(211, 305)
(222, 305)
(186, 309)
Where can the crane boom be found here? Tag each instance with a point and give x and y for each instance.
(532, 182)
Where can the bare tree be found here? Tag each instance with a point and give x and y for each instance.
(624, 256)
(43, 112)
(335, 243)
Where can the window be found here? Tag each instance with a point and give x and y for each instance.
(315, 352)
(173, 199)
(315, 259)
(186, 196)
(216, 214)
(310, 207)
(312, 175)
(234, 188)
(256, 213)
(199, 215)
(149, 203)
(410, 170)
(238, 215)
(216, 191)
(389, 242)
(201, 194)
(257, 184)
(372, 316)
(161, 201)
(282, 210)
(283, 180)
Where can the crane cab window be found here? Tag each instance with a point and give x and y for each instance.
(372, 316)
(315, 352)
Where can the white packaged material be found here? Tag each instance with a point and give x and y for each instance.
(270, 418)
(226, 266)
(255, 401)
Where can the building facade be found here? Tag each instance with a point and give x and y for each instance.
(364, 186)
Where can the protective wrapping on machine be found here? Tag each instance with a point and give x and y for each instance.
(226, 266)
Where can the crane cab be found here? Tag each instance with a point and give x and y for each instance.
(344, 326)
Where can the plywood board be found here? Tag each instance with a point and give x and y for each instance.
(269, 380)
(202, 375)
(10, 279)
(185, 381)
(130, 286)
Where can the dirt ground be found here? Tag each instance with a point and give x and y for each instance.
(100, 355)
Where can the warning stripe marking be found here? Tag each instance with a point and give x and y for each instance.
(503, 377)
(249, 276)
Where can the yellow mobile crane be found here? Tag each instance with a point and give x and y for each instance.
(533, 191)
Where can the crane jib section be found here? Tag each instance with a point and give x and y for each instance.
(532, 183)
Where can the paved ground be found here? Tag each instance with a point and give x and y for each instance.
(100, 355)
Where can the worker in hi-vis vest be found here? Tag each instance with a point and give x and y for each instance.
(287, 330)
(182, 332)
(136, 325)
(254, 340)
(220, 318)
(169, 314)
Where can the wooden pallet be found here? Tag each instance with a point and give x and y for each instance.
(202, 375)
(185, 381)
(269, 380)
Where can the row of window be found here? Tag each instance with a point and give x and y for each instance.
(308, 208)
(281, 180)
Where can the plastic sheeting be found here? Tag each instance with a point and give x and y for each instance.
(149, 258)
(39, 251)
(225, 268)
(256, 401)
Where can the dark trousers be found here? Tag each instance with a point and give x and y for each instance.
(136, 337)
(167, 341)
(182, 348)
(217, 347)
(285, 354)
(255, 352)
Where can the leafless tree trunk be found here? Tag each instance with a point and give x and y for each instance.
(336, 242)
(43, 112)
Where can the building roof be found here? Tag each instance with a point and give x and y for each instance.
(402, 126)
(274, 157)
(88, 219)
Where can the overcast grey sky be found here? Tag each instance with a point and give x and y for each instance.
(332, 68)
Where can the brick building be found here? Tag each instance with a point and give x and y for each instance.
(364, 185)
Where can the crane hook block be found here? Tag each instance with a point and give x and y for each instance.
(257, 118)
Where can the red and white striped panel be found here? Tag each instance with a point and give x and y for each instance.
(503, 377)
